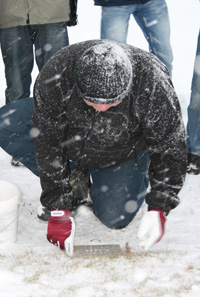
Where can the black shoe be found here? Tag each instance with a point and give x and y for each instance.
(16, 163)
(43, 213)
(193, 164)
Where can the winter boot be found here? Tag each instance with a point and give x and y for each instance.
(193, 164)
(43, 213)
(16, 163)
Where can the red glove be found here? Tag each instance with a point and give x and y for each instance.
(61, 229)
(152, 227)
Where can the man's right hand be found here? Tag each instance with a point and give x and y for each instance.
(61, 230)
(152, 227)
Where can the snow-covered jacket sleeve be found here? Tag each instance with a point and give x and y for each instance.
(159, 113)
(49, 117)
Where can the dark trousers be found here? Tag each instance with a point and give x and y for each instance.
(193, 125)
(19, 45)
(17, 132)
(118, 192)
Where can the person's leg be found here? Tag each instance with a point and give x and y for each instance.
(48, 40)
(17, 53)
(193, 125)
(153, 19)
(114, 22)
(118, 192)
(17, 133)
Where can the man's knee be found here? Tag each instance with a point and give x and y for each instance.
(115, 220)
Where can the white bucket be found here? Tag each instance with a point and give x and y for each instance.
(9, 206)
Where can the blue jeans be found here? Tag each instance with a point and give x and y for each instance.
(153, 19)
(117, 192)
(193, 125)
(17, 133)
(17, 46)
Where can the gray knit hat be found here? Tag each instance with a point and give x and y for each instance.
(104, 73)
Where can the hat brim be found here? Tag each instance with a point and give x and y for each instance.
(102, 100)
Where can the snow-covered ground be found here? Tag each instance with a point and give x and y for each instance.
(33, 268)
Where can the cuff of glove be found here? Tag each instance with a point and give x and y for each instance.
(61, 213)
(162, 212)
(162, 215)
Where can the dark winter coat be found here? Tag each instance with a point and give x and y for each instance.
(149, 117)
(118, 2)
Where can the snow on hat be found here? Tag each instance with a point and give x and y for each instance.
(104, 73)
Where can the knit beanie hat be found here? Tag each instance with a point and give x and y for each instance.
(104, 73)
